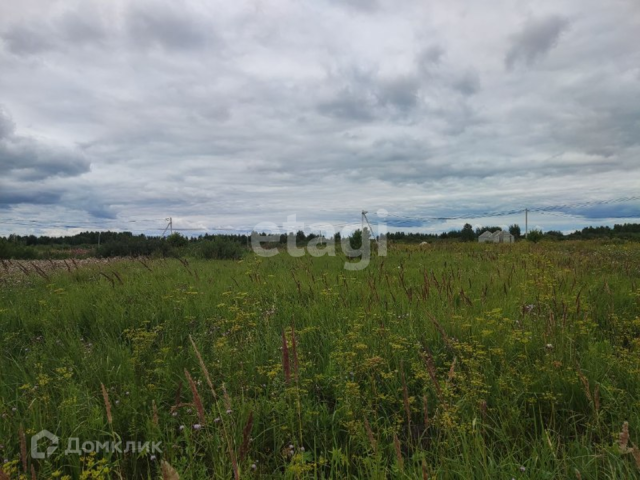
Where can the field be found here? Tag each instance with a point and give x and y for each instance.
(448, 361)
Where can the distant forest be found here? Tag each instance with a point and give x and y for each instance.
(113, 244)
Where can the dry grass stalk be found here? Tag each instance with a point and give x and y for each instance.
(196, 397)
(425, 473)
(118, 277)
(396, 446)
(294, 351)
(33, 473)
(156, 422)
(23, 448)
(107, 403)
(623, 441)
(483, 410)
(24, 269)
(113, 284)
(578, 475)
(178, 394)
(425, 412)
(405, 398)
(40, 272)
(144, 264)
(246, 438)
(431, 370)
(636, 455)
(443, 334)
(452, 370)
(199, 408)
(372, 440)
(226, 398)
(585, 384)
(204, 369)
(234, 464)
(286, 367)
(3, 476)
(168, 472)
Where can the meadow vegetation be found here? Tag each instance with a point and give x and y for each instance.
(441, 361)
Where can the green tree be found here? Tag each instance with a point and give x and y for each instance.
(356, 240)
(515, 231)
(467, 234)
(177, 240)
(534, 236)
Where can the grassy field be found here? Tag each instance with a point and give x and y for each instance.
(449, 361)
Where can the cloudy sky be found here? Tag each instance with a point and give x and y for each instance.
(226, 114)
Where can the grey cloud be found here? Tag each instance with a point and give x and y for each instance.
(366, 96)
(28, 39)
(10, 195)
(26, 158)
(467, 83)
(82, 27)
(170, 26)
(536, 39)
(430, 57)
(401, 92)
(360, 5)
(350, 105)
(7, 126)
(311, 102)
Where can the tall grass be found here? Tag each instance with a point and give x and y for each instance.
(463, 361)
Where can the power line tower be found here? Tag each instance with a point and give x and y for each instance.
(366, 219)
(168, 227)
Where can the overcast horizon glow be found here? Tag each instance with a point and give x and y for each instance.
(223, 115)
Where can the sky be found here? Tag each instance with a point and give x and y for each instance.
(224, 115)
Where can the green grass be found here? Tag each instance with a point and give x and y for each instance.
(483, 361)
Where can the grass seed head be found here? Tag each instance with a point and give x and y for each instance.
(107, 403)
(196, 397)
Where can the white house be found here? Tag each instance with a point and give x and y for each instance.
(500, 236)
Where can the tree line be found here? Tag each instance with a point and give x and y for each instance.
(114, 244)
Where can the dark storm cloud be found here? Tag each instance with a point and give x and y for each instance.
(537, 38)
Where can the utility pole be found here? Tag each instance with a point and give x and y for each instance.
(526, 222)
(169, 226)
(366, 219)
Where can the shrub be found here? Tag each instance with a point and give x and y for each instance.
(219, 248)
